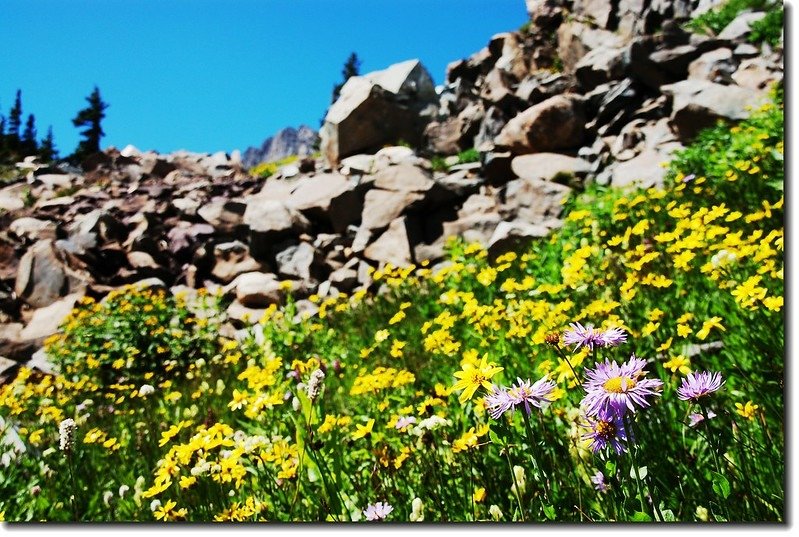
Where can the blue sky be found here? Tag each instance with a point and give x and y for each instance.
(215, 75)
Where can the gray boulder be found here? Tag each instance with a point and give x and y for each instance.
(378, 108)
(557, 123)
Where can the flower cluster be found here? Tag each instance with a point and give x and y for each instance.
(613, 391)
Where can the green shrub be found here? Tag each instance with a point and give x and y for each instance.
(769, 28)
(718, 18)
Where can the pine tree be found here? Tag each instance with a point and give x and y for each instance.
(47, 150)
(28, 145)
(14, 123)
(90, 117)
(352, 67)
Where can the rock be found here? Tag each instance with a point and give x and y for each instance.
(600, 66)
(41, 361)
(142, 260)
(394, 154)
(404, 178)
(100, 223)
(224, 214)
(497, 167)
(243, 314)
(715, 66)
(493, 123)
(13, 198)
(740, 26)
(46, 321)
(557, 123)
(296, 261)
(33, 229)
(576, 39)
(269, 222)
(231, 259)
(533, 200)
(381, 207)
(185, 234)
(43, 277)
(514, 236)
(378, 108)
(757, 74)
(646, 170)
(698, 104)
(8, 370)
(330, 198)
(283, 143)
(550, 167)
(256, 289)
(393, 246)
(358, 164)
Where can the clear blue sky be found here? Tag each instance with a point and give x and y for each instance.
(216, 75)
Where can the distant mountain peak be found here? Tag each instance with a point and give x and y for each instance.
(287, 141)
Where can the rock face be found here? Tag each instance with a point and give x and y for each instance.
(380, 108)
(285, 142)
(593, 91)
(557, 123)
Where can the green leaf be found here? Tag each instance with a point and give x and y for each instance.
(640, 516)
(610, 468)
(495, 439)
(720, 485)
(642, 473)
(668, 515)
(549, 511)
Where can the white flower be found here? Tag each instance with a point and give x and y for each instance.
(495, 512)
(155, 504)
(146, 390)
(107, 497)
(122, 490)
(417, 514)
(66, 434)
(377, 511)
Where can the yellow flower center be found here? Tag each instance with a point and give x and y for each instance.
(605, 429)
(619, 384)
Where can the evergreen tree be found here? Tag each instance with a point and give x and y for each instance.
(352, 67)
(47, 150)
(90, 117)
(28, 145)
(14, 123)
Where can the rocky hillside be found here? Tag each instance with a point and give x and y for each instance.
(284, 143)
(590, 90)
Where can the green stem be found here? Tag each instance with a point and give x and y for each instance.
(515, 484)
(531, 440)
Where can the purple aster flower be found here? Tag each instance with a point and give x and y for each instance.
(523, 393)
(531, 395)
(697, 385)
(607, 429)
(697, 418)
(377, 511)
(580, 335)
(613, 337)
(615, 388)
(598, 479)
(498, 402)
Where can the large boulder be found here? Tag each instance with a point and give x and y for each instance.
(379, 108)
(43, 275)
(330, 198)
(557, 123)
(698, 104)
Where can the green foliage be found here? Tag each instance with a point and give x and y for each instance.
(240, 430)
(769, 29)
(716, 19)
(267, 169)
(91, 118)
(468, 155)
(134, 332)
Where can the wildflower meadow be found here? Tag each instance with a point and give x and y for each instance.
(628, 367)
